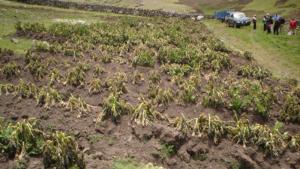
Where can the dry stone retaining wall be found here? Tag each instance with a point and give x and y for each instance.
(108, 8)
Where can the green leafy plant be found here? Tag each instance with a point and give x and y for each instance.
(116, 83)
(291, 107)
(182, 124)
(48, 97)
(61, 151)
(253, 71)
(26, 90)
(271, 140)
(76, 103)
(54, 76)
(6, 52)
(144, 113)
(167, 150)
(6, 89)
(211, 126)
(10, 70)
(95, 86)
(215, 96)
(22, 136)
(241, 132)
(188, 93)
(154, 77)
(144, 58)
(37, 68)
(114, 107)
(76, 76)
(98, 70)
(176, 69)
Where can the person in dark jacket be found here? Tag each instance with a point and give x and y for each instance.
(269, 23)
(254, 22)
(265, 22)
(276, 27)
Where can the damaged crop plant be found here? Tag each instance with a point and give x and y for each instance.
(25, 138)
(139, 73)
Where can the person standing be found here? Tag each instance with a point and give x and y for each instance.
(293, 26)
(269, 22)
(254, 22)
(265, 22)
(276, 19)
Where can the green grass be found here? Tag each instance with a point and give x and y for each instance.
(280, 54)
(12, 12)
(166, 5)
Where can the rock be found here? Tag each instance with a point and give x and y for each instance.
(171, 162)
(183, 155)
(142, 133)
(14, 40)
(169, 135)
(246, 161)
(14, 116)
(200, 17)
(98, 155)
(198, 150)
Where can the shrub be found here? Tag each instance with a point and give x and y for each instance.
(114, 107)
(37, 68)
(188, 93)
(272, 141)
(212, 126)
(42, 46)
(24, 28)
(215, 61)
(241, 132)
(214, 98)
(61, 151)
(144, 58)
(253, 71)
(154, 77)
(182, 124)
(144, 113)
(6, 89)
(76, 103)
(116, 83)
(22, 135)
(6, 52)
(248, 55)
(167, 150)
(76, 76)
(48, 97)
(95, 86)
(54, 76)
(176, 69)
(10, 70)
(291, 107)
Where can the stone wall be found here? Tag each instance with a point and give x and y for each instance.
(107, 8)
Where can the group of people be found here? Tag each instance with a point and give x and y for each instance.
(276, 23)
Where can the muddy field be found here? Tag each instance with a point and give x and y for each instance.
(164, 91)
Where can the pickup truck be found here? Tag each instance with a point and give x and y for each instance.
(237, 19)
(220, 15)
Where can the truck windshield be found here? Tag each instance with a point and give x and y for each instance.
(239, 15)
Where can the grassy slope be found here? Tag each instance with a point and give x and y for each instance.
(167, 5)
(12, 12)
(280, 53)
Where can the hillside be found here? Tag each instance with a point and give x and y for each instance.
(96, 90)
(283, 7)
